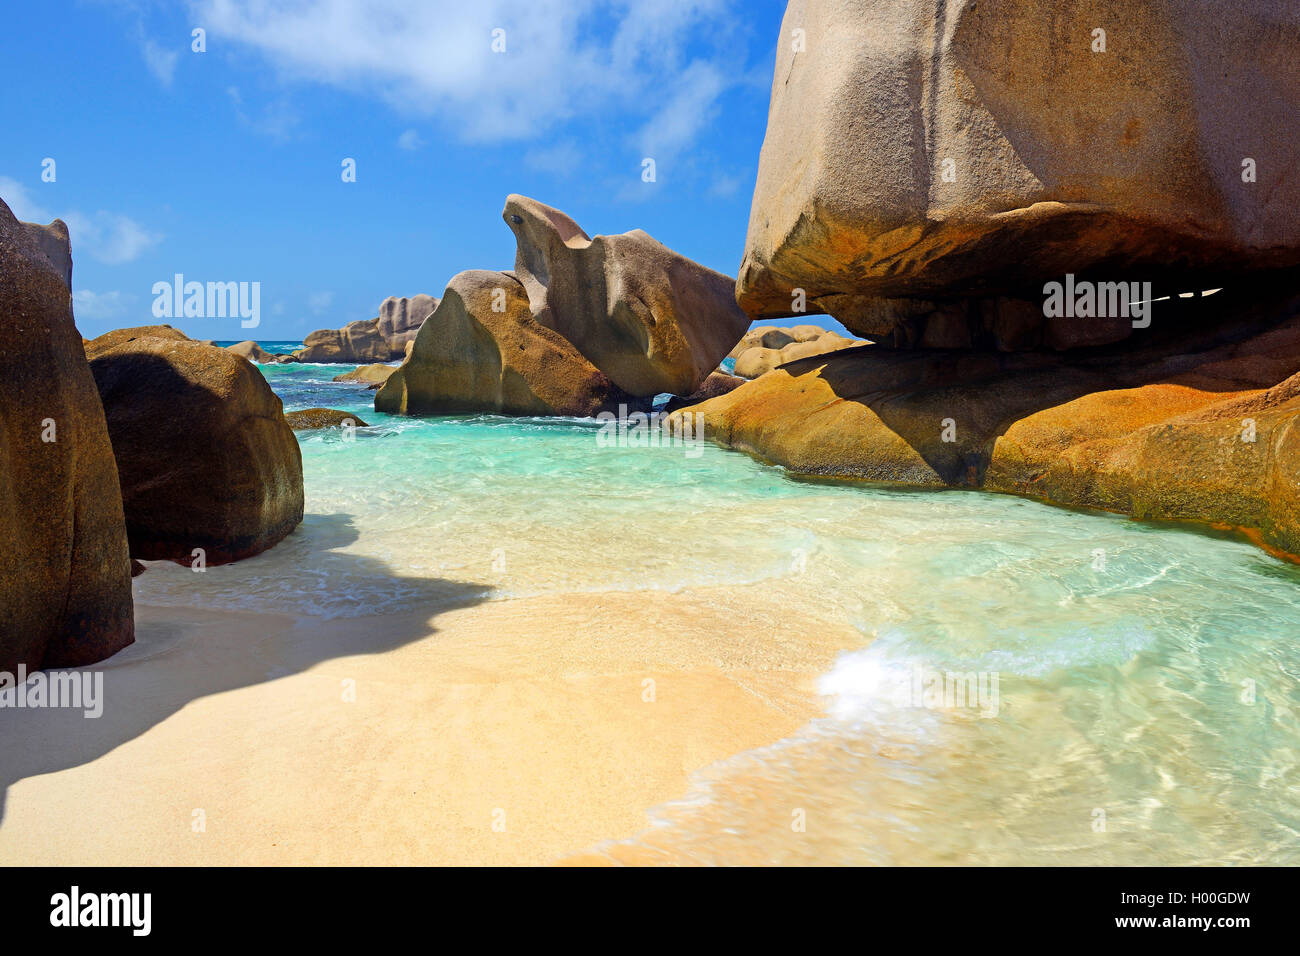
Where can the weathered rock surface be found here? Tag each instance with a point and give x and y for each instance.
(646, 316)
(976, 153)
(755, 361)
(56, 244)
(65, 578)
(1203, 425)
(122, 336)
(579, 326)
(369, 374)
(205, 456)
(251, 351)
(309, 418)
(775, 337)
(381, 339)
(470, 357)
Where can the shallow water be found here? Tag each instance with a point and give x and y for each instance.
(1147, 677)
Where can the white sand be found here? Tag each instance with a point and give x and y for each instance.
(529, 712)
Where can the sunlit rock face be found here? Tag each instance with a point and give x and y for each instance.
(579, 326)
(965, 153)
(1201, 424)
(648, 317)
(482, 351)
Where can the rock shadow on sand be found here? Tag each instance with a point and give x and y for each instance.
(176, 662)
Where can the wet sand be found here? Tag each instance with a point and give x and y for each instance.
(508, 732)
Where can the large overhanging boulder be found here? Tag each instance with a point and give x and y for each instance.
(976, 149)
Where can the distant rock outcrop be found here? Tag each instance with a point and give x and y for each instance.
(367, 374)
(579, 325)
(472, 356)
(65, 573)
(775, 337)
(646, 316)
(778, 346)
(251, 351)
(381, 339)
(206, 458)
(966, 158)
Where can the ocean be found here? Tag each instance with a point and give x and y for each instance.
(1033, 685)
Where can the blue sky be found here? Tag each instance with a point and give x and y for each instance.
(225, 165)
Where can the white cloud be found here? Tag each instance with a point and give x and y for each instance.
(21, 203)
(100, 305)
(318, 302)
(109, 237)
(562, 58)
(410, 140)
(161, 62)
(688, 108)
(112, 238)
(685, 107)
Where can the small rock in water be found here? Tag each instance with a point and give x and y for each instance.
(251, 351)
(322, 418)
(368, 374)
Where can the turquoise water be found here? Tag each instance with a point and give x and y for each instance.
(1148, 677)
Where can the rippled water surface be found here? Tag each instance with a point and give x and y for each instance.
(1146, 698)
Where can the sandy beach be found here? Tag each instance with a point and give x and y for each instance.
(528, 713)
